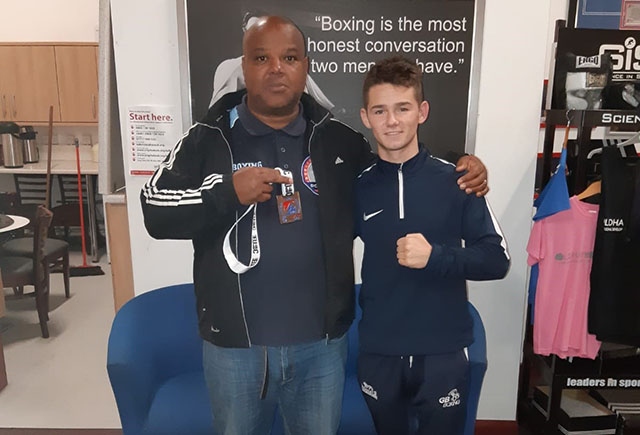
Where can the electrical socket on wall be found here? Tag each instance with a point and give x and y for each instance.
(65, 139)
(85, 139)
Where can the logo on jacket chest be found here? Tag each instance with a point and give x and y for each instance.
(366, 217)
(308, 177)
(237, 166)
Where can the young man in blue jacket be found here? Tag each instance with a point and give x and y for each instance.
(423, 239)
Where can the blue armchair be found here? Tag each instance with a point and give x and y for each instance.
(154, 363)
(478, 367)
(355, 419)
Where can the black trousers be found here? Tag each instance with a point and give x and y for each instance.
(425, 394)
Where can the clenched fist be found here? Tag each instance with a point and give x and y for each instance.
(413, 251)
(254, 184)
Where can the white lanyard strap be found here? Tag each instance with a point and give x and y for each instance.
(234, 264)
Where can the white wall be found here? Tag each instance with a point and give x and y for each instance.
(513, 68)
(517, 56)
(147, 73)
(49, 20)
(514, 53)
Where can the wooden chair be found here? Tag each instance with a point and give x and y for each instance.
(30, 188)
(67, 213)
(31, 192)
(56, 256)
(18, 272)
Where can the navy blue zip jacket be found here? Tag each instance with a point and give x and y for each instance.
(422, 311)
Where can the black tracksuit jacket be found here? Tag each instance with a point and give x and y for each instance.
(191, 196)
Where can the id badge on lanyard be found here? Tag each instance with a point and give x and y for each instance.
(289, 204)
(289, 210)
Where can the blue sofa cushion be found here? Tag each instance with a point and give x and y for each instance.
(356, 419)
(181, 406)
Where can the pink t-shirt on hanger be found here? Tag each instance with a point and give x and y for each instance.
(562, 245)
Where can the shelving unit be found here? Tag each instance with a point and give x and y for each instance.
(616, 366)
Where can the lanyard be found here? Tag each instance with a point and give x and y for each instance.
(234, 264)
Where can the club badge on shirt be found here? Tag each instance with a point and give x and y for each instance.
(308, 177)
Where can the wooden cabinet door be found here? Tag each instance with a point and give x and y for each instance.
(34, 84)
(77, 71)
(7, 82)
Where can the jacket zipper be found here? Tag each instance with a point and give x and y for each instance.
(244, 317)
(400, 192)
(313, 130)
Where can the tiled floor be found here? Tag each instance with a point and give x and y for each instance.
(59, 386)
(60, 432)
(60, 382)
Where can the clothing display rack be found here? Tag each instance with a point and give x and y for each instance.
(616, 366)
(585, 121)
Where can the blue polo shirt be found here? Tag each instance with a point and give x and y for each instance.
(284, 294)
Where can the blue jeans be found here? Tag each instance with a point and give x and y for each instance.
(304, 381)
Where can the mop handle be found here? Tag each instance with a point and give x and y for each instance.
(76, 142)
(47, 201)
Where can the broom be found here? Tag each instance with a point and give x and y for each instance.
(47, 201)
(85, 269)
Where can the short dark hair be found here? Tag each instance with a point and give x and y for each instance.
(398, 71)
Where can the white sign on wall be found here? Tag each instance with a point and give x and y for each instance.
(152, 132)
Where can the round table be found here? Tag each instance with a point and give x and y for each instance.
(18, 222)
